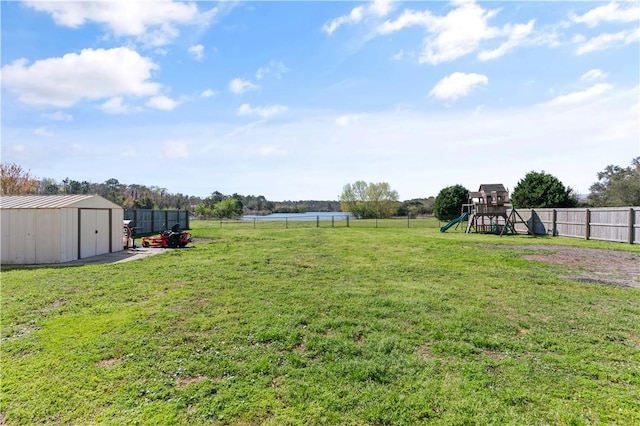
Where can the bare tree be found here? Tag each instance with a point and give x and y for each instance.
(16, 181)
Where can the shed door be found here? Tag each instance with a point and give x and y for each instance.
(94, 232)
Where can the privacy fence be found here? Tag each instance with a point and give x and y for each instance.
(620, 224)
(616, 224)
(147, 221)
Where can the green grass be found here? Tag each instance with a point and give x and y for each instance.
(355, 325)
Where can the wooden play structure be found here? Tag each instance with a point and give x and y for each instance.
(490, 212)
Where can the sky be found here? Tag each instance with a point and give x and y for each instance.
(295, 99)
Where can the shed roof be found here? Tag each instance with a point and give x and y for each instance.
(55, 202)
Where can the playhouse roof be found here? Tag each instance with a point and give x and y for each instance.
(491, 187)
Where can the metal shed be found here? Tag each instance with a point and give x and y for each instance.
(40, 229)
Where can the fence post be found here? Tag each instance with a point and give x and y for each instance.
(631, 220)
(317, 221)
(166, 220)
(347, 221)
(153, 221)
(332, 220)
(408, 223)
(286, 223)
(554, 219)
(587, 220)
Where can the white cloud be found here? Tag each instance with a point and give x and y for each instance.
(611, 12)
(262, 112)
(208, 93)
(197, 51)
(274, 68)
(376, 8)
(238, 85)
(154, 23)
(459, 32)
(42, 132)
(345, 120)
(581, 96)
(517, 34)
(408, 18)
(173, 150)
(457, 85)
(606, 41)
(381, 7)
(162, 102)
(115, 105)
(593, 75)
(353, 17)
(90, 74)
(398, 56)
(59, 116)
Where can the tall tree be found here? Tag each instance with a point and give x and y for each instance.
(448, 203)
(48, 186)
(369, 200)
(617, 186)
(14, 180)
(542, 190)
(229, 208)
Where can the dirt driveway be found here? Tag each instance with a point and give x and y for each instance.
(599, 266)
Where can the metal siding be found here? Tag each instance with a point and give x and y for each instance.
(103, 237)
(87, 237)
(55, 202)
(23, 239)
(6, 216)
(117, 217)
(47, 235)
(48, 230)
(68, 235)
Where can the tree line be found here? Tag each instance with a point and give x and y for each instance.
(616, 186)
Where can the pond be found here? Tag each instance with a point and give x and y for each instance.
(301, 216)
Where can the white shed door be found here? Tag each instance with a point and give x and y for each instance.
(94, 232)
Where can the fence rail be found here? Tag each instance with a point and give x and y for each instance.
(146, 221)
(329, 221)
(618, 224)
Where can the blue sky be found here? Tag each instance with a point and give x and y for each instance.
(294, 99)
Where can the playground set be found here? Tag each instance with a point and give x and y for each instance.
(489, 212)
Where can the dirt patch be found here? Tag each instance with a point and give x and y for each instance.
(110, 362)
(590, 265)
(183, 382)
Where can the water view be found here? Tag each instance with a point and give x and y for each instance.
(301, 216)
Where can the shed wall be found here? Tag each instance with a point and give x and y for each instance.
(30, 236)
(43, 235)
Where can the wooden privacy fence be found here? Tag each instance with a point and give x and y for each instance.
(620, 224)
(146, 221)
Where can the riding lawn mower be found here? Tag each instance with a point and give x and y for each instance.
(170, 239)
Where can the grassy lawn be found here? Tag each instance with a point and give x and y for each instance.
(359, 325)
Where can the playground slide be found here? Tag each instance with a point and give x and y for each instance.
(458, 219)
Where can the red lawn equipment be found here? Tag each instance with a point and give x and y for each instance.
(171, 239)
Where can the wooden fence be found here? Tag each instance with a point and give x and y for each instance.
(621, 224)
(147, 221)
